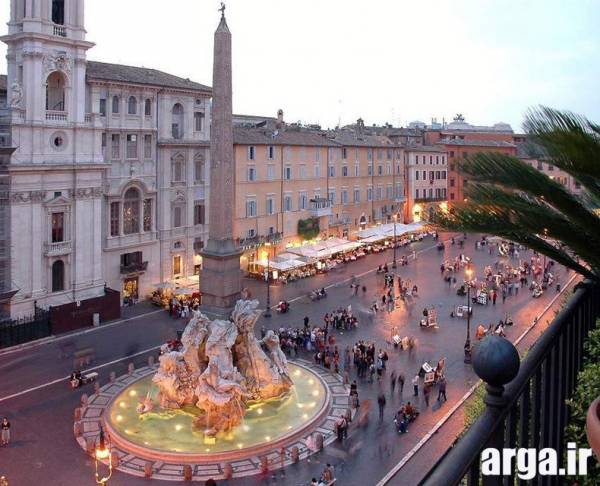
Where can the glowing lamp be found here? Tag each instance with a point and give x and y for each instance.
(275, 275)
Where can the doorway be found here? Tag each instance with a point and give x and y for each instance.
(130, 289)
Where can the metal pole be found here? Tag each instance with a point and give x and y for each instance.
(468, 341)
(394, 262)
(268, 309)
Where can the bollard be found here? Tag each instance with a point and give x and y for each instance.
(112, 377)
(264, 465)
(130, 368)
(77, 429)
(295, 454)
(114, 458)
(187, 472)
(228, 471)
(84, 400)
(148, 469)
(150, 361)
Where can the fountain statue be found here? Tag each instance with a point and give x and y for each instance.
(221, 367)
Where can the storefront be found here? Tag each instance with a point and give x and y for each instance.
(131, 288)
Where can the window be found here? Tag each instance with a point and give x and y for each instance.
(452, 167)
(424, 173)
(379, 170)
(58, 227)
(287, 173)
(199, 212)
(550, 167)
(103, 106)
(270, 152)
(345, 171)
(444, 174)
(437, 159)
(356, 195)
(540, 165)
(369, 194)
(251, 152)
(198, 168)
(416, 193)
(115, 104)
(437, 175)
(132, 146)
(379, 193)
(177, 265)
(177, 121)
(451, 154)
(287, 203)
(416, 175)
(131, 212)
(369, 154)
(398, 191)
(416, 160)
(344, 153)
(430, 193)
(58, 276)
(451, 182)
(389, 154)
(147, 214)
(55, 92)
(251, 173)
(344, 196)
(431, 160)
(177, 216)
(178, 169)
(331, 196)
(302, 172)
(58, 12)
(270, 206)
(270, 172)
(431, 175)
(114, 219)
(302, 201)
(132, 106)
(452, 196)
(250, 209)
(116, 146)
(318, 155)
(251, 233)
(331, 171)
(148, 107)
(317, 171)
(357, 170)
(370, 169)
(389, 192)
(103, 143)
(198, 121)
(380, 154)
(147, 146)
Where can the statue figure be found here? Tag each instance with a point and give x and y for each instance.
(16, 97)
(220, 367)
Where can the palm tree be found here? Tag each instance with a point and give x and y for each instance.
(508, 198)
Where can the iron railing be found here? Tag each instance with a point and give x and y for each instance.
(19, 331)
(533, 412)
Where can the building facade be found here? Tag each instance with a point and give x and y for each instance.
(426, 181)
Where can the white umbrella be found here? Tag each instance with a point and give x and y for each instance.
(165, 285)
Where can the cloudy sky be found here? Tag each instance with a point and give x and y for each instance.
(387, 61)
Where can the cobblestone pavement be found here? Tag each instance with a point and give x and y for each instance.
(43, 445)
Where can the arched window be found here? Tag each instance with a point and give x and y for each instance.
(178, 168)
(58, 276)
(132, 106)
(177, 123)
(55, 92)
(131, 212)
(58, 12)
(115, 104)
(148, 107)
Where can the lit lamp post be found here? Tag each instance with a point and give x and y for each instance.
(268, 309)
(545, 237)
(469, 275)
(395, 219)
(102, 453)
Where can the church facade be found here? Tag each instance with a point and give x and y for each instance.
(107, 177)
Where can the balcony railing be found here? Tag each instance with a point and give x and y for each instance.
(58, 249)
(320, 207)
(60, 30)
(135, 267)
(429, 199)
(259, 240)
(52, 115)
(344, 221)
(530, 412)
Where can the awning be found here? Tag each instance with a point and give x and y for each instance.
(325, 248)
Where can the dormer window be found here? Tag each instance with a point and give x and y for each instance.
(58, 12)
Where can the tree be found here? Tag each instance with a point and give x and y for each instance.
(508, 198)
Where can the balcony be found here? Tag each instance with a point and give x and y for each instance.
(320, 207)
(256, 241)
(52, 115)
(58, 249)
(343, 221)
(60, 30)
(135, 267)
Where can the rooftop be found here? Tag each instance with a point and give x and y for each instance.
(477, 143)
(140, 75)
(257, 136)
(352, 138)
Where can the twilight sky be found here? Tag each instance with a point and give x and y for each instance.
(387, 61)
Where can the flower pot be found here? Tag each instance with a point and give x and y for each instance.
(593, 426)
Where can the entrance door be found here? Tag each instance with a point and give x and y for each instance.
(177, 270)
(130, 288)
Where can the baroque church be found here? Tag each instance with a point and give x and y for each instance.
(103, 168)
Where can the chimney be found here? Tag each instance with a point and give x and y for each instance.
(360, 127)
(279, 118)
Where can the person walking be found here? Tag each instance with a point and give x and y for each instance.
(392, 383)
(381, 403)
(503, 295)
(494, 297)
(426, 393)
(415, 382)
(400, 383)
(442, 390)
(5, 428)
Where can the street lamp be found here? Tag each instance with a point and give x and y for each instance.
(395, 219)
(268, 309)
(469, 275)
(102, 452)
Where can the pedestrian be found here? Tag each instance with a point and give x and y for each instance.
(400, 383)
(364, 290)
(494, 297)
(306, 319)
(426, 393)
(503, 295)
(415, 382)
(381, 403)
(392, 383)
(442, 390)
(5, 427)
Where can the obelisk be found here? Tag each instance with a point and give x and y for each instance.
(220, 278)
